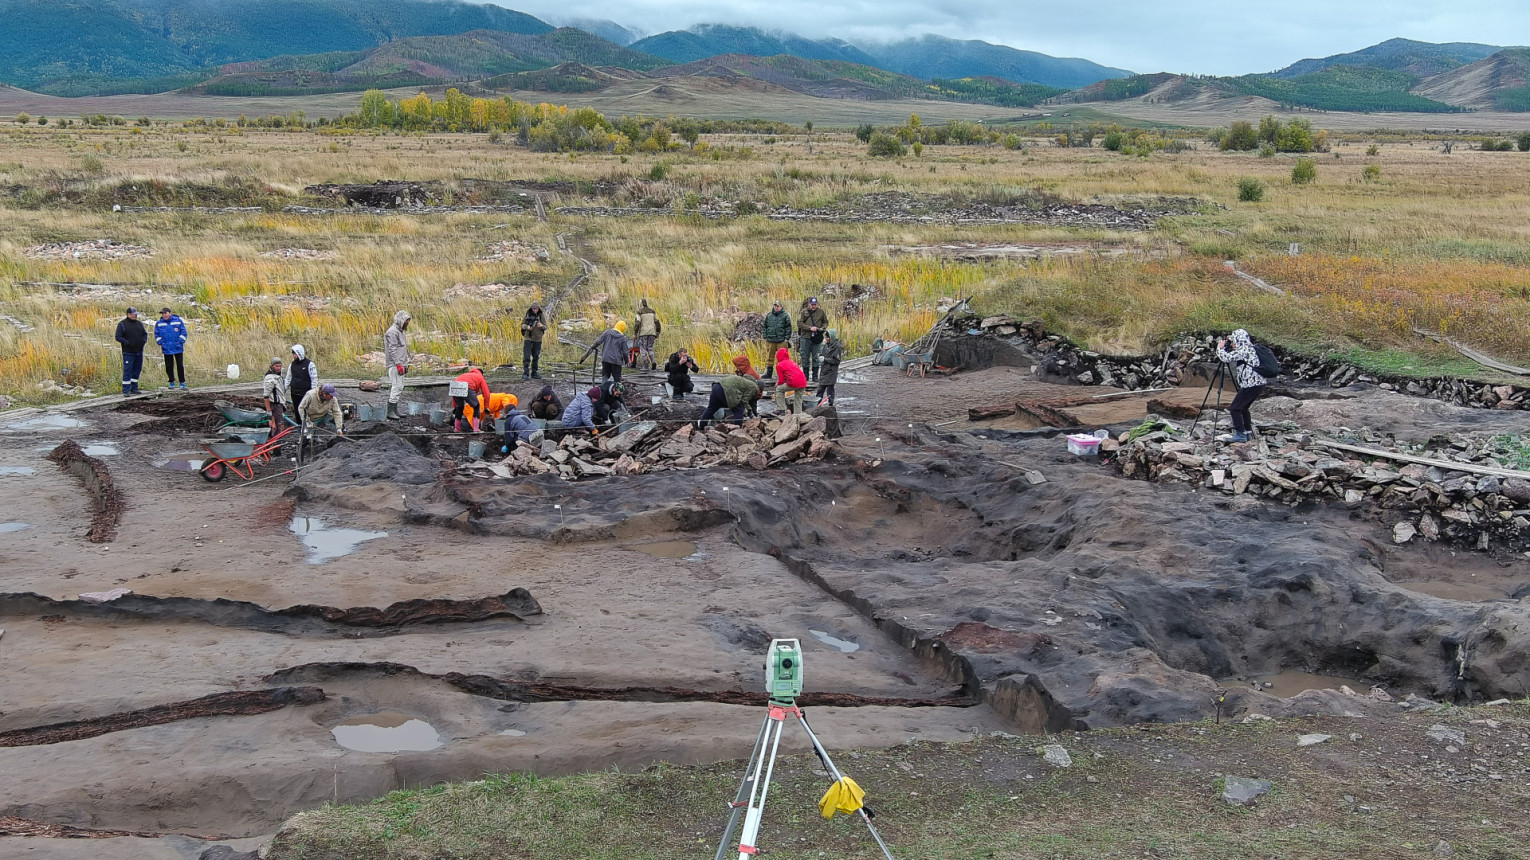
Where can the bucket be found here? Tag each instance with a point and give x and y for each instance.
(475, 450)
(366, 412)
(416, 407)
(439, 415)
(232, 371)
(500, 424)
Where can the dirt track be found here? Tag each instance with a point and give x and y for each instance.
(942, 544)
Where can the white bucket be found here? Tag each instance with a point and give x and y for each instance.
(233, 371)
(1084, 446)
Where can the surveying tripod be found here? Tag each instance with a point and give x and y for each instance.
(1217, 380)
(783, 667)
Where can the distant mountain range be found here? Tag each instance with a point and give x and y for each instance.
(288, 47)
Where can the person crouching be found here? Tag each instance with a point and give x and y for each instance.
(679, 369)
(734, 393)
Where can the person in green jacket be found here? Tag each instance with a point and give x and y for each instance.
(812, 323)
(778, 334)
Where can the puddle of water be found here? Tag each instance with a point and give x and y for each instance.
(17, 471)
(49, 422)
(388, 731)
(187, 463)
(101, 449)
(13, 527)
(844, 645)
(667, 548)
(1467, 591)
(513, 733)
(325, 543)
(1291, 681)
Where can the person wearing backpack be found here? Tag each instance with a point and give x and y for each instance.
(1249, 369)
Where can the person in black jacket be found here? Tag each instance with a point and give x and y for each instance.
(132, 335)
(679, 367)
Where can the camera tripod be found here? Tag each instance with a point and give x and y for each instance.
(1217, 380)
(756, 785)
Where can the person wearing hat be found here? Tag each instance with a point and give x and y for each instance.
(610, 402)
(792, 381)
(546, 405)
(275, 394)
(518, 428)
(396, 356)
(828, 374)
(736, 393)
(811, 325)
(301, 375)
(777, 332)
(612, 347)
(170, 334)
(533, 326)
(646, 330)
(580, 413)
(132, 335)
(319, 404)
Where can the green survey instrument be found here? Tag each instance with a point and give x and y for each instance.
(783, 671)
(783, 684)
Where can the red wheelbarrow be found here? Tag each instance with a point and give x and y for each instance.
(241, 458)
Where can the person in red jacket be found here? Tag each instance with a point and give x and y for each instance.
(789, 379)
(477, 395)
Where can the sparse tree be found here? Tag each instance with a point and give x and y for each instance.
(1240, 136)
(864, 132)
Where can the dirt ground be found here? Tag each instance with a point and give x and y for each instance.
(660, 609)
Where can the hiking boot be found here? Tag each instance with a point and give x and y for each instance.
(393, 412)
(535, 375)
(525, 376)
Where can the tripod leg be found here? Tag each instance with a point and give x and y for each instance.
(751, 831)
(745, 790)
(837, 776)
(1216, 380)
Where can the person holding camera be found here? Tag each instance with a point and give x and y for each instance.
(1243, 358)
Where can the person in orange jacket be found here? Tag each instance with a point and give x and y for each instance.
(477, 393)
(494, 405)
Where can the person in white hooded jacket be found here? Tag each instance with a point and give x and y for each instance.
(1244, 361)
(396, 356)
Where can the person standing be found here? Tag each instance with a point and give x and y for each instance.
(170, 334)
(811, 325)
(132, 335)
(612, 348)
(396, 356)
(1244, 360)
(275, 394)
(679, 368)
(777, 332)
(301, 376)
(533, 326)
(828, 375)
(646, 329)
(791, 380)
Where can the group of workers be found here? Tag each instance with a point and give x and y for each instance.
(293, 387)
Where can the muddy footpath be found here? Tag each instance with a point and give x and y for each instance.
(336, 634)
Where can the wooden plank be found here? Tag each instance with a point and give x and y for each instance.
(1425, 461)
(1479, 357)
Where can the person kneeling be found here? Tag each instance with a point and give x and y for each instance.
(679, 368)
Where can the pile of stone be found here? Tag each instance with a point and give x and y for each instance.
(514, 251)
(1465, 497)
(652, 446)
(489, 291)
(384, 194)
(95, 249)
(300, 254)
(750, 327)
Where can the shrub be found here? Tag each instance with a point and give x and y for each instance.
(1250, 190)
(1241, 136)
(1371, 173)
(1373, 149)
(23, 118)
(1267, 150)
(1304, 172)
(658, 171)
(918, 149)
(1013, 141)
(884, 145)
(864, 132)
(1113, 141)
(1524, 141)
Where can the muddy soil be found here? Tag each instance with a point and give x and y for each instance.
(919, 585)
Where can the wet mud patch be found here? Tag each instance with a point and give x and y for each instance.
(305, 620)
(106, 499)
(215, 705)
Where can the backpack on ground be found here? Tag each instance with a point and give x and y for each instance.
(1268, 366)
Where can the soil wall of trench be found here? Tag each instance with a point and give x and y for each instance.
(1084, 601)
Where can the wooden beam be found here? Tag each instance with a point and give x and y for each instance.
(1425, 461)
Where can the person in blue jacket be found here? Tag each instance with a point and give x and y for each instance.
(170, 334)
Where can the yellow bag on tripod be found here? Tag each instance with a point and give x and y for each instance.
(843, 796)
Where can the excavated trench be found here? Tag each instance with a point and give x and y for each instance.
(106, 500)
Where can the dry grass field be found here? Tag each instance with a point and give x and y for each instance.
(1438, 240)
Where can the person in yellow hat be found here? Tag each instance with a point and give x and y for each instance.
(612, 348)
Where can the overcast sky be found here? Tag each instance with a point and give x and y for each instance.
(1221, 37)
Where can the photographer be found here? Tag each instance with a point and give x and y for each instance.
(1244, 361)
